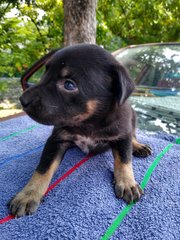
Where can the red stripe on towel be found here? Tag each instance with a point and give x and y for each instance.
(6, 219)
(68, 173)
(65, 175)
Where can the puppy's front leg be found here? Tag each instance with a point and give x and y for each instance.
(125, 185)
(27, 201)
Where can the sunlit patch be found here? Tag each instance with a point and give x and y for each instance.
(158, 122)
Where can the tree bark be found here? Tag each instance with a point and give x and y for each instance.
(79, 21)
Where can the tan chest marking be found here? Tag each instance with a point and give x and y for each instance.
(86, 144)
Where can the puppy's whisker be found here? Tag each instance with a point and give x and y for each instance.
(53, 106)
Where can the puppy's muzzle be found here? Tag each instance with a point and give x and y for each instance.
(26, 101)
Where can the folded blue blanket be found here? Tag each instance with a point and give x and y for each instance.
(83, 205)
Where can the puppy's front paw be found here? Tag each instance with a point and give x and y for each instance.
(24, 203)
(142, 150)
(129, 192)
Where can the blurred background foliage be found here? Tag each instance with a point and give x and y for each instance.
(30, 28)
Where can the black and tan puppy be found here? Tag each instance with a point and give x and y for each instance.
(83, 93)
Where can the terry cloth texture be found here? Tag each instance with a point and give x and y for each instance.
(83, 205)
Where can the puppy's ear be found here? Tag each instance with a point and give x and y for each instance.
(122, 85)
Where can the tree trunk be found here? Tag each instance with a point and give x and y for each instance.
(79, 21)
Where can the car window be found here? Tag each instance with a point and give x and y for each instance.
(154, 65)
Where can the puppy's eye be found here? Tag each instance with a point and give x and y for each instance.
(70, 85)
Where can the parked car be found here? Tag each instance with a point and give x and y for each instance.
(155, 68)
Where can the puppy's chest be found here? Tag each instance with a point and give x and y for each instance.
(86, 144)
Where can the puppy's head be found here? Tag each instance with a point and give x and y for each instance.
(81, 83)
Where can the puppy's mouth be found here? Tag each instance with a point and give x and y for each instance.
(36, 111)
(39, 117)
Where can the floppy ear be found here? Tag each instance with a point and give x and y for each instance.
(122, 85)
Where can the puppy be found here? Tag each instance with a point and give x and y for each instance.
(83, 93)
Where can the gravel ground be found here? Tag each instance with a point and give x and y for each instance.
(10, 91)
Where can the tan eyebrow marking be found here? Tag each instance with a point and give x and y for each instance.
(65, 72)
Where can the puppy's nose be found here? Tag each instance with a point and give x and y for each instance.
(25, 102)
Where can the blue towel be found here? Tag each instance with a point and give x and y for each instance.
(84, 205)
